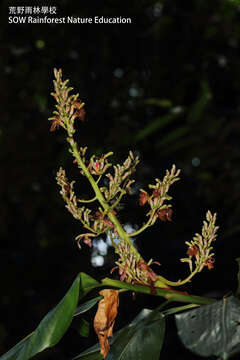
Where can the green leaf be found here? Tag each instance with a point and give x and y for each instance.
(141, 339)
(87, 306)
(92, 353)
(54, 325)
(173, 136)
(177, 309)
(196, 111)
(212, 330)
(165, 103)
(238, 287)
(13, 352)
(155, 125)
(83, 328)
(87, 283)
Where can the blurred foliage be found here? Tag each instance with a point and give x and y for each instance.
(166, 86)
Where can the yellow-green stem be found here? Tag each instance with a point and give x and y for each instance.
(161, 281)
(142, 228)
(121, 232)
(87, 201)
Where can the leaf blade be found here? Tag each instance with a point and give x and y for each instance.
(212, 330)
(56, 322)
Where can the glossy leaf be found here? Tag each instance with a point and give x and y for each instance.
(87, 283)
(87, 306)
(212, 330)
(92, 353)
(141, 339)
(12, 354)
(54, 324)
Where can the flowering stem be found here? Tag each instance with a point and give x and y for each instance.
(161, 281)
(131, 265)
(167, 294)
(121, 232)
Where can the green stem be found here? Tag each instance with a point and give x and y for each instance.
(175, 283)
(161, 281)
(123, 192)
(142, 228)
(87, 201)
(113, 243)
(121, 232)
(178, 309)
(167, 294)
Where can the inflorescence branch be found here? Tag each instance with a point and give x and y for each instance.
(116, 182)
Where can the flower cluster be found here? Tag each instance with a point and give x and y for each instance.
(99, 164)
(109, 187)
(97, 223)
(132, 268)
(69, 107)
(120, 182)
(159, 196)
(200, 249)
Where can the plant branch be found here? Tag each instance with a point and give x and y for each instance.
(87, 201)
(167, 294)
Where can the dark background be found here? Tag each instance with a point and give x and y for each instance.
(166, 86)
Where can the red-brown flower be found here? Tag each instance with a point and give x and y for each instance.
(156, 193)
(192, 251)
(80, 111)
(85, 239)
(209, 263)
(143, 198)
(56, 122)
(165, 214)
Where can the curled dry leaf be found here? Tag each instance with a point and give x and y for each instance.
(105, 318)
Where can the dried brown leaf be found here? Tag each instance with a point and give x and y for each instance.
(105, 318)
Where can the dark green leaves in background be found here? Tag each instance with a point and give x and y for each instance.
(212, 330)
